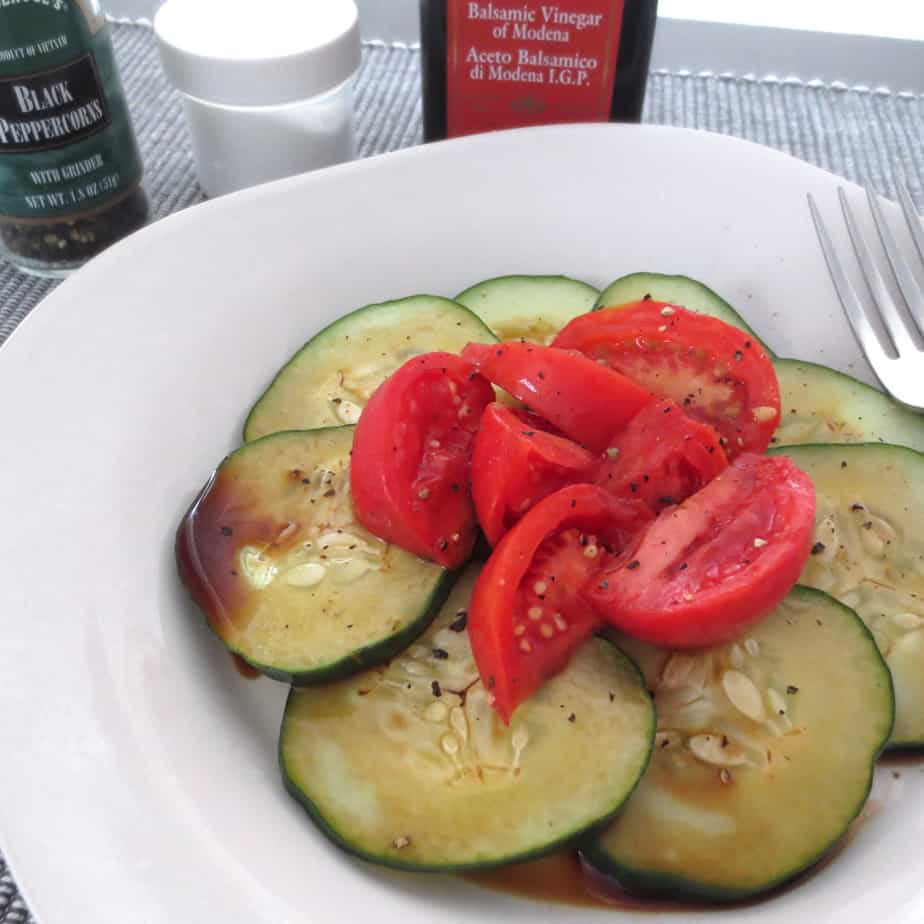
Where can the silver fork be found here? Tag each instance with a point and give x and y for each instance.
(902, 375)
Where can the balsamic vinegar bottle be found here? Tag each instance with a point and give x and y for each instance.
(491, 64)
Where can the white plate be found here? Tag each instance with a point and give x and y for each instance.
(138, 777)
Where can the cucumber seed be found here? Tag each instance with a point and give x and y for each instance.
(449, 743)
(743, 695)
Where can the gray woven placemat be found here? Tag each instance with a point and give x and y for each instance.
(867, 136)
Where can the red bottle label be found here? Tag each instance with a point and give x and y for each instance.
(510, 63)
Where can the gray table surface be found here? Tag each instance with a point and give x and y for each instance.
(869, 136)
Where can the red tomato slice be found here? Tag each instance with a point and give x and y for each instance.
(703, 571)
(410, 467)
(514, 465)
(662, 457)
(585, 400)
(714, 371)
(526, 615)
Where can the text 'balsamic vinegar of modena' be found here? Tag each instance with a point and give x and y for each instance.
(492, 64)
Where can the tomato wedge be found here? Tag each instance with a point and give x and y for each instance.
(410, 466)
(714, 371)
(515, 464)
(526, 614)
(662, 457)
(584, 399)
(705, 570)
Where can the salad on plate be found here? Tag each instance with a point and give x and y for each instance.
(548, 567)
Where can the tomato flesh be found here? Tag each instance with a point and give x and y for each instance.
(584, 399)
(527, 614)
(662, 457)
(515, 464)
(714, 371)
(705, 570)
(410, 467)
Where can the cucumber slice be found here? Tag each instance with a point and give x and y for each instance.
(678, 290)
(287, 578)
(869, 553)
(764, 755)
(409, 766)
(327, 382)
(823, 406)
(533, 308)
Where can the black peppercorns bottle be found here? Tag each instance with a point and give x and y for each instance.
(490, 64)
(70, 171)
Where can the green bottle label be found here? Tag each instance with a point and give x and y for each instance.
(66, 143)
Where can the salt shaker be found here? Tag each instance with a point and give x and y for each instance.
(266, 87)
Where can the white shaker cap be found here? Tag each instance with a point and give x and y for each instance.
(258, 52)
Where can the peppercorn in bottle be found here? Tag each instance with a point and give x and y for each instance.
(70, 171)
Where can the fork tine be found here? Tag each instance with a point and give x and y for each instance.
(911, 218)
(875, 283)
(907, 284)
(856, 317)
